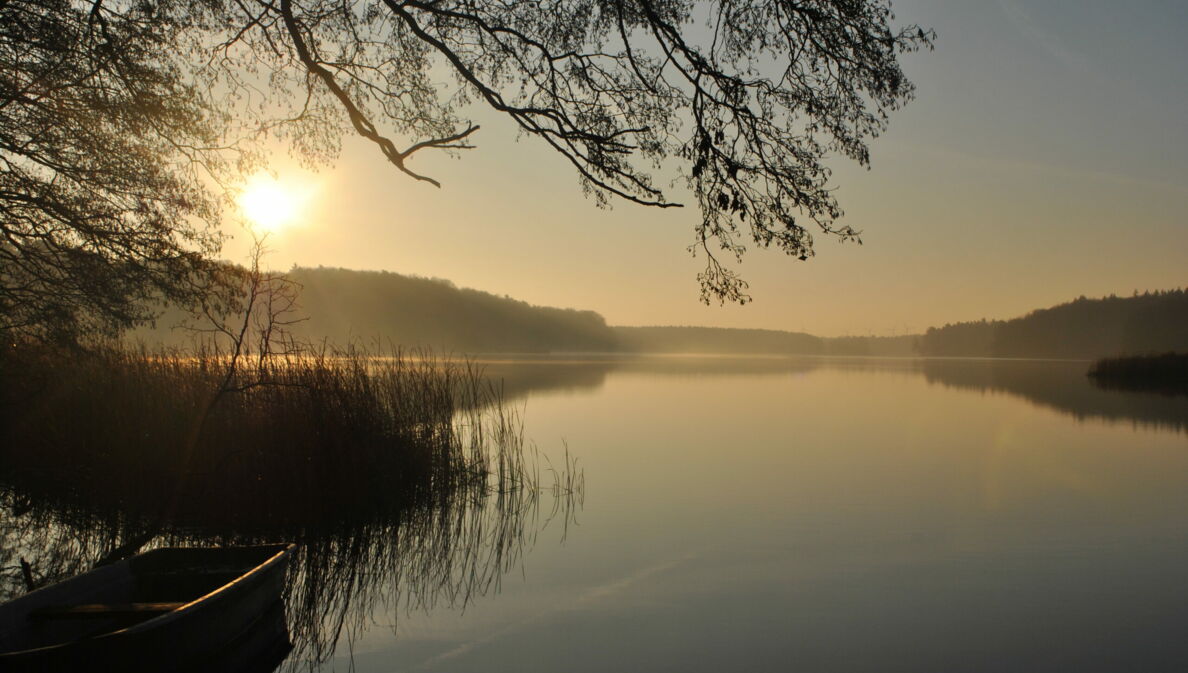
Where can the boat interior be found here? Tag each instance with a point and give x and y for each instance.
(122, 595)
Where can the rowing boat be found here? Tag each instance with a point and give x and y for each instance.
(170, 609)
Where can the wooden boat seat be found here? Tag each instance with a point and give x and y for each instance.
(134, 613)
(103, 610)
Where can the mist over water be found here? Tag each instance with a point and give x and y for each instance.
(958, 445)
(762, 514)
(837, 515)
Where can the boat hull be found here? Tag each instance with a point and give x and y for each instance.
(189, 638)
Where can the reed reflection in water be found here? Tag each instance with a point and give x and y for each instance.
(344, 572)
(385, 547)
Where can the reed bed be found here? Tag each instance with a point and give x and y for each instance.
(1166, 373)
(404, 478)
(342, 576)
(295, 437)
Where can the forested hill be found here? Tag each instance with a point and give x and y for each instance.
(374, 307)
(345, 305)
(1151, 322)
(385, 309)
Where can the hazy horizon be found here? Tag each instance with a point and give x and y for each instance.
(610, 323)
(1042, 160)
(314, 345)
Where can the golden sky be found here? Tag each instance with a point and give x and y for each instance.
(1046, 157)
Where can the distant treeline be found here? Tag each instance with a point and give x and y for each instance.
(754, 341)
(1084, 329)
(345, 306)
(716, 340)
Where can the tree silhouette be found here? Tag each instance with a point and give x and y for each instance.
(101, 205)
(121, 120)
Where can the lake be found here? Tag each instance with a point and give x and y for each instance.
(763, 514)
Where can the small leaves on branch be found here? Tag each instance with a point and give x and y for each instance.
(123, 121)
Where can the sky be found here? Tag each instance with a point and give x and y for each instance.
(1045, 158)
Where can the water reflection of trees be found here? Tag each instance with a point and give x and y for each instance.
(1059, 385)
(1062, 386)
(444, 552)
(521, 376)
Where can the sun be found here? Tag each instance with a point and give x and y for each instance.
(268, 204)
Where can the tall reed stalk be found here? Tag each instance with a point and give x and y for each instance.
(404, 478)
(290, 436)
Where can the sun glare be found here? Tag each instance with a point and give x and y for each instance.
(268, 204)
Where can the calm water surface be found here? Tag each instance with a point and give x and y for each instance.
(847, 515)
